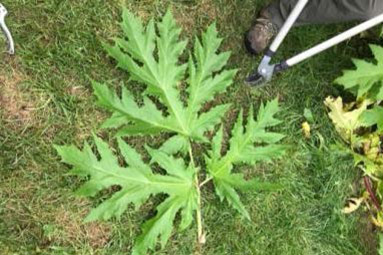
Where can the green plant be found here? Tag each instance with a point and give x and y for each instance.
(152, 56)
(360, 124)
(366, 81)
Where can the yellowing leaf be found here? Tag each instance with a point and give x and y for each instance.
(367, 154)
(306, 129)
(352, 205)
(346, 122)
(378, 221)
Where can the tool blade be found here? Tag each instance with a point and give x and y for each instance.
(256, 80)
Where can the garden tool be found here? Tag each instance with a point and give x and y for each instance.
(4, 28)
(266, 70)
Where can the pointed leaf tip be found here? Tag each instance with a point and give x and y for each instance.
(245, 147)
(362, 79)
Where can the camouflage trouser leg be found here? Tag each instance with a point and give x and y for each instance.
(327, 11)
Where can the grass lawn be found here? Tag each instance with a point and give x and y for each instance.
(46, 98)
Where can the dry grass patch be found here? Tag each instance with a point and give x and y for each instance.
(14, 106)
(190, 17)
(50, 219)
(72, 230)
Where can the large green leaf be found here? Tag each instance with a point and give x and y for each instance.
(176, 100)
(372, 117)
(365, 76)
(137, 183)
(248, 145)
(152, 57)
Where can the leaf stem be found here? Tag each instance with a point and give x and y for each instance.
(199, 214)
(191, 154)
(201, 235)
(367, 183)
(205, 181)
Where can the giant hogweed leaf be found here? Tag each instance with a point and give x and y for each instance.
(248, 145)
(175, 144)
(137, 56)
(365, 76)
(152, 58)
(137, 183)
(146, 119)
(203, 85)
(372, 117)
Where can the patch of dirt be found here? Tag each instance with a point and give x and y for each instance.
(14, 107)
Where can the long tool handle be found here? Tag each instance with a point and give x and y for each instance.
(288, 24)
(11, 45)
(5, 30)
(335, 40)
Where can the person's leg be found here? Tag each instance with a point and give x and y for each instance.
(316, 12)
(261, 33)
(326, 11)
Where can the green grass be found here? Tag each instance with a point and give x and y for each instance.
(45, 99)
